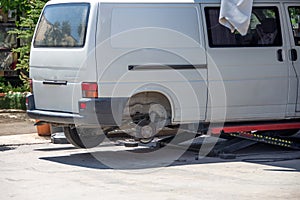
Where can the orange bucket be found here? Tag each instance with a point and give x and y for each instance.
(43, 129)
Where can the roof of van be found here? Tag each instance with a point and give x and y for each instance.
(160, 1)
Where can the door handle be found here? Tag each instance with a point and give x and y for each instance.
(279, 55)
(293, 55)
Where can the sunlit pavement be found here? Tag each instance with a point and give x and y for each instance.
(33, 168)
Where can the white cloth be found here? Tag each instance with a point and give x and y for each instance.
(236, 15)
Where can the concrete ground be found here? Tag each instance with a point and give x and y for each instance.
(15, 122)
(33, 168)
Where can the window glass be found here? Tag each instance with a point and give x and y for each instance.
(62, 25)
(264, 29)
(294, 13)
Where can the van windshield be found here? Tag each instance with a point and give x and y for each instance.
(62, 25)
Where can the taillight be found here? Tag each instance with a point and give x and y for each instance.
(82, 106)
(89, 90)
(31, 85)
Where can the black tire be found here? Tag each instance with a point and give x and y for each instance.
(83, 137)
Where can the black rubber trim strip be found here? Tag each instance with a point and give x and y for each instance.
(164, 67)
(55, 82)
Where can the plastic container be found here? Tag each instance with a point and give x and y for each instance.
(43, 129)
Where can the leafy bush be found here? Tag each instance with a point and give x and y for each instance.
(13, 100)
(14, 97)
(6, 87)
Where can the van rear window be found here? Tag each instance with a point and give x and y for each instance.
(62, 25)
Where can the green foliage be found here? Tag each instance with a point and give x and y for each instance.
(294, 15)
(19, 5)
(13, 100)
(294, 12)
(6, 87)
(28, 12)
(14, 97)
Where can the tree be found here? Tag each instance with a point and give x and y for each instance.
(19, 5)
(27, 12)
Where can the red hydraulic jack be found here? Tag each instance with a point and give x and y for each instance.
(273, 133)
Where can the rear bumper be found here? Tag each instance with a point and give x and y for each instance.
(96, 112)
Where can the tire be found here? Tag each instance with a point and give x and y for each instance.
(84, 137)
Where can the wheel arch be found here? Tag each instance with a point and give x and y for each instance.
(161, 95)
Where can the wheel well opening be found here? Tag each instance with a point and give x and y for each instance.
(139, 105)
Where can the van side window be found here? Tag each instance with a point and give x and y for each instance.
(264, 29)
(294, 13)
(62, 25)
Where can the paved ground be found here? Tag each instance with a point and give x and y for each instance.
(41, 170)
(33, 168)
(14, 122)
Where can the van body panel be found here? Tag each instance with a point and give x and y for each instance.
(149, 41)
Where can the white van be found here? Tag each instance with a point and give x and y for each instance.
(99, 65)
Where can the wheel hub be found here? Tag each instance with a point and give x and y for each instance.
(147, 132)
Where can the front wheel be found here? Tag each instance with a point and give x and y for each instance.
(84, 137)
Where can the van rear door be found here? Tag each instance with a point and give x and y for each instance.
(61, 55)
